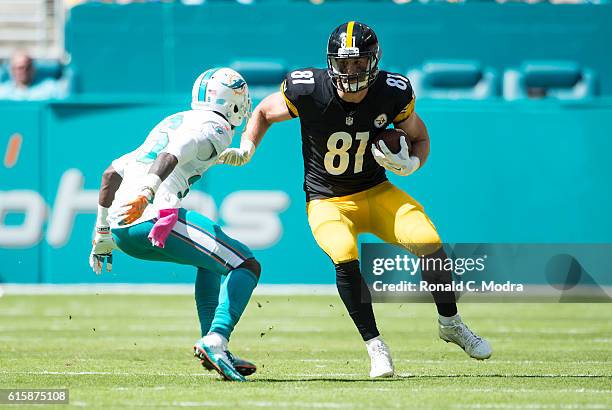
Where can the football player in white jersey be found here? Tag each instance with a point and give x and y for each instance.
(140, 213)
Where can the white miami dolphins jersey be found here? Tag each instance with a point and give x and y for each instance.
(195, 138)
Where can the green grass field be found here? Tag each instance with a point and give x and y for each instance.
(117, 351)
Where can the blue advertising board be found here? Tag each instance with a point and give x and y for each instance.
(531, 172)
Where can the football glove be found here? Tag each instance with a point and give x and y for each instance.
(131, 211)
(237, 156)
(401, 163)
(102, 250)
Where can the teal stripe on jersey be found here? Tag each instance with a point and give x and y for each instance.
(203, 83)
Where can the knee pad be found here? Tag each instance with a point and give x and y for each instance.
(253, 266)
(417, 233)
(337, 241)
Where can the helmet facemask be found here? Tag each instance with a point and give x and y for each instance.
(351, 70)
(353, 54)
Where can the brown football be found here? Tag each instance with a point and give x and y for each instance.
(391, 137)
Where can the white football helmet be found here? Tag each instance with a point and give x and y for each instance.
(225, 91)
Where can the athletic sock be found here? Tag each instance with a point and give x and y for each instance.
(434, 273)
(207, 287)
(374, 339)
(356, 297)
(448, 320)
(234, 296)
(216, 339)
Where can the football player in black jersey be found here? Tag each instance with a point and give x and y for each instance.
(341, 109)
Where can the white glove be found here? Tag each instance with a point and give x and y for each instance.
(103, 243)
(237, 156)
(401, 163)
(102, 250)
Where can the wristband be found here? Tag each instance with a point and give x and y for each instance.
(101, 220)
(248, 147)
(152, 181)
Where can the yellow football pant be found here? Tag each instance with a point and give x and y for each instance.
(384, 210)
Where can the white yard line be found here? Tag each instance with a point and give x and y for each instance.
(187, 289)
(128, 374)
(153, 289)
(466, 361)
(531, 406)
(273, 404)
(303, 375)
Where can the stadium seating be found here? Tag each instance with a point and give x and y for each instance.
(454, 79)
(563, 80)
(263, 76)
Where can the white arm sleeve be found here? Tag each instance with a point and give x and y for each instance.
(200, 145)
(120, 163)
(183, 146)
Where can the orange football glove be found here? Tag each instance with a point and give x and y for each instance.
(135, 208)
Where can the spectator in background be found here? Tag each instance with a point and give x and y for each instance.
(22, 84)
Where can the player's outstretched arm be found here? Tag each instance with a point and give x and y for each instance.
(103, 243)
(270, 110)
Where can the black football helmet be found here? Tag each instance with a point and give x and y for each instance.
(352, 57)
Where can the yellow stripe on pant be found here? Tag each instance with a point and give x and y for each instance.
(384, 210)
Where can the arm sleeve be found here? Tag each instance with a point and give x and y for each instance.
(184, 146)
(120, 163)
(405, 105)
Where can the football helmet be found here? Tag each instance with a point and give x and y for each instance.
(353, 54)
(222, 90)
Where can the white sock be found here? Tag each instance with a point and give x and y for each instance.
(448, 320)
(216, 339)
(374, 339)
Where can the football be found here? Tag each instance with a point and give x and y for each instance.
(391, 137)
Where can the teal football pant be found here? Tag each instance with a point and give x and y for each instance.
(197, 241)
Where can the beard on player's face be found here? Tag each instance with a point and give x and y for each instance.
(353, 83)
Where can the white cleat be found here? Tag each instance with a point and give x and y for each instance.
(212, 352)
(380, 358)
(458, 333)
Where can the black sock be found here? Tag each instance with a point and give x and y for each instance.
(446, 302)
(356, 297)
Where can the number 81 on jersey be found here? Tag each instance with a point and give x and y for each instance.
(338, 166)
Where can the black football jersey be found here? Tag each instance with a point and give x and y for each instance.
(336, 136)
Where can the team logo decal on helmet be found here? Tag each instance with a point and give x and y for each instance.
(237, 84)
(353, 54)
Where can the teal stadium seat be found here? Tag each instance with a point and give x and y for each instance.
(263, 76)
(562, 80)
(454, 80)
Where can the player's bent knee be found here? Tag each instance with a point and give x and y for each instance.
(418, 235)
(427, 243)
(337, 241)
(342, 252)
(253, 266)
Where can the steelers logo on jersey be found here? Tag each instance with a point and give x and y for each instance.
(380, 121)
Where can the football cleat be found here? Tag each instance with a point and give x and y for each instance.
(458, 333)
(380, 358)
(244, 367)
(216, 356)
